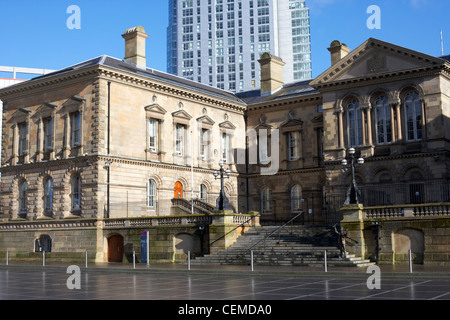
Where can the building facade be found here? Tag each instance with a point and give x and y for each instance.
(219, 42)
(95, 153)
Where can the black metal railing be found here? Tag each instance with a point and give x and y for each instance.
(234, 229)
(290, 222)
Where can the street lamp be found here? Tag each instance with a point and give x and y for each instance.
(353, 193)
(222, 202)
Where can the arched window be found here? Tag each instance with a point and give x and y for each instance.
(383, 121)
(354, 124)
(296, 198)
(151, 194)
(23, 195)
(48, 196)
(76, 193)
(203, 193)
(266, 200)
(413, 116)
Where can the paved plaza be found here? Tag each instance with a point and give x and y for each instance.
(175, 282)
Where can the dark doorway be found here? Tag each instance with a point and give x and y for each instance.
(115, 248)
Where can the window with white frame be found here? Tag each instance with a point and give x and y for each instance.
(354, 124)
(151, 194)
(413, 116)
(75, 121)
(203, 193)
(293, 145)
(48, 195)
(152, 134)
(179, 139)
(23, 130)
(76, 193)
(48, 134)
(296, 198)
(383, 121)
(23, 196)
(266, 200)
(204, 138)
(224, 147)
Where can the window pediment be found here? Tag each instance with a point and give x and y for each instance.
(21, 115)
(181, 117)
(155, 111)
(205, 122)
(45, 110)
(291, 125)
(73, 104)
(227, 125)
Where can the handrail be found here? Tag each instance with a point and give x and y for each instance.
(242, 224)
(276, 230)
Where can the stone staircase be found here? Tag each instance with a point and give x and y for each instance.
(290, 246)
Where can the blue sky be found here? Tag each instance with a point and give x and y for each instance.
(34, 33)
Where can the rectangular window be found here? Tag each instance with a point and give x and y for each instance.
(293, 146)
(48, 134)
(76, 129)
(152, 134)
(224, 147)
(179, 140)
(23, 130)
(203, 143)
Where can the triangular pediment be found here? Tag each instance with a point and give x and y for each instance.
(205, 120)
(375, 58)
(291, 123)
(181, 114)
(45, 110)
(20, 115)
(227, 125)
(156, 108)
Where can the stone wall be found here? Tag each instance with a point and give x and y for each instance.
(427, 237)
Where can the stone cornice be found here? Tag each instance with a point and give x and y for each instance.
(283, 102)
(388, 158)
(381, 78)
(82, 162)
(286, 172)
(55, 81)
(174, 90)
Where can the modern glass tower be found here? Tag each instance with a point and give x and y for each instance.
(219, 42)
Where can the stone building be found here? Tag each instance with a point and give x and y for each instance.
(97, 152)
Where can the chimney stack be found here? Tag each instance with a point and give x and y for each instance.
(338, 51)
(135, 46)
(271, 73)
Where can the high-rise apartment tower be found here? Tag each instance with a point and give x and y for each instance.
(219, 42)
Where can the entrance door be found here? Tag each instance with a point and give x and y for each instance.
(178, 190)
(115, 248)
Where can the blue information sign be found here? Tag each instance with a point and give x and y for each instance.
(144, 247)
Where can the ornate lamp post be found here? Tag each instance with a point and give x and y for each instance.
(353, 193)
(222, 202)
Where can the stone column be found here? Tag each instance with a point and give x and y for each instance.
(363, 120)
(392, 122)
(399, 122)
(66, 148)
(40, 146)
(369, 126)
(340, 113)
(353, 226)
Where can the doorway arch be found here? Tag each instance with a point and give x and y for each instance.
(115, 248)
(178, 190)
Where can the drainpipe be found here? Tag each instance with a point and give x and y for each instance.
(246, 163)
(108, 151)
